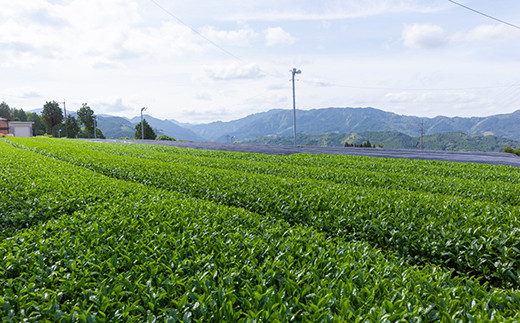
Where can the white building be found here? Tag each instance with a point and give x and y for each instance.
(16, 128)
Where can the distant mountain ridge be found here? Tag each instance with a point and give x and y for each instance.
(348, 120)
(119, 127)
(169, 128)
(279, 122)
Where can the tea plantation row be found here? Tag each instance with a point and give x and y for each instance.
(473, 237)
(157, 243)
(504, 190)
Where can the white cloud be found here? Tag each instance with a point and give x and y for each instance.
(488, 33)
(233, 71)
(202, 115)
(94, 33)
(166, 41)
(31, 95)
(428, 36)
(203, 96)
(116, 106)
(276, 35)
(430, 99)
(320, 83)
(241, 37)
(275, 10)
(326, 24)
(99, 51)
(106, 64)
(402, 96)
(424, 36)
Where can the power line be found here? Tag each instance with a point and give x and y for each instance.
(227, 52)
(485, 15)
(198, 33)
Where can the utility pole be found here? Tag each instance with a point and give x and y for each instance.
(65, 113)
(142, 125)
(294, 71)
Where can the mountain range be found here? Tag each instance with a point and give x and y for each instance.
(119, 127)
(348, 120)
(279, 122)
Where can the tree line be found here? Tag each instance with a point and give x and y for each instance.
(366, 144)
(52, 121)
(508, 149)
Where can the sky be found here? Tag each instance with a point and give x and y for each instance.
(199, 61)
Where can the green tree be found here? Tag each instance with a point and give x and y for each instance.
(86, 117)
(99, 134)
(165, 137)
(148, 131)
(508, 149)
(72, 126)
(83, 134)
(52, 116)
(5, 111)
(38, 126)
(18, 114)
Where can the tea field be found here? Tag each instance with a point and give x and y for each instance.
(126, 232)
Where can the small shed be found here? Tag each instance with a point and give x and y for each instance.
(21, 128)
(16, 128)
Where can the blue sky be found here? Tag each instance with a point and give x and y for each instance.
(412, 57)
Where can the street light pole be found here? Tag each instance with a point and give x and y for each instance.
(294, 71)
(66, 126)
(142, 125)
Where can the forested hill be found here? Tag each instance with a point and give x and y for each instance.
(390, 139)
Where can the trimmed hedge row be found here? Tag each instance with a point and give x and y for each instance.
(156, 255)
(474, 188)
(478, 239)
